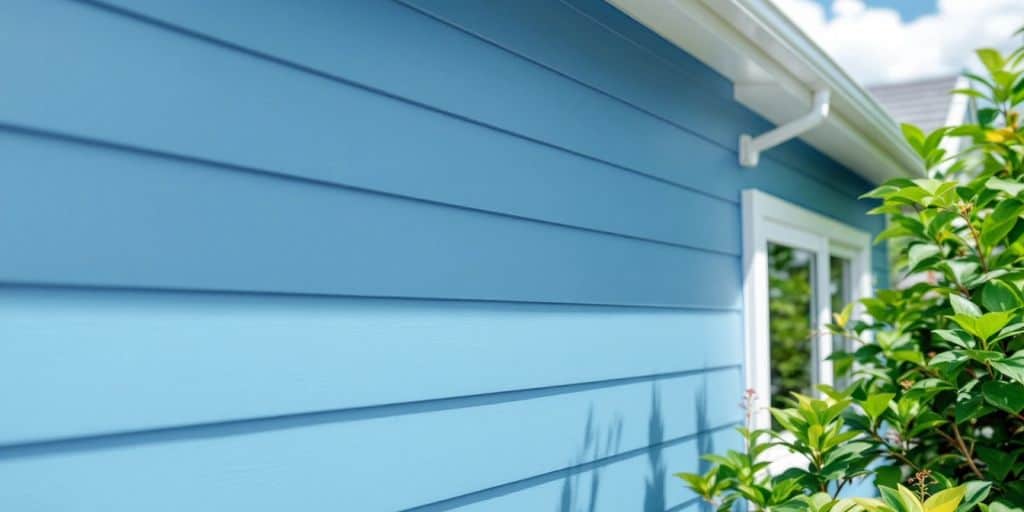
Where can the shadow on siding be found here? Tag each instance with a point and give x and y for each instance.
(655, 499)
(577, 497)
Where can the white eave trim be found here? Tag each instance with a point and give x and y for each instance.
(775, 68)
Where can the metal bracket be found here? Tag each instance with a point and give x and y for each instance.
(751, 147)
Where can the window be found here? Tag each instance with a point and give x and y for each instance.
(799, 266)
(841, 293)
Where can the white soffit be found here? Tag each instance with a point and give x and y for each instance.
(775, 69)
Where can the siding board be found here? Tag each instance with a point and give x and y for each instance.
(132, 220)
(641, 481)
(294, 355)
(222, 85)
(362, 464)
(631, 74)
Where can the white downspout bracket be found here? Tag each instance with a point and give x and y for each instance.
(751, 147)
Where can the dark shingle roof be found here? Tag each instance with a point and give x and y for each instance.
(925, 103)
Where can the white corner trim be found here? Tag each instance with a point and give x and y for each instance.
(769, 219)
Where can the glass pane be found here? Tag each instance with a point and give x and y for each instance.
(839, 288)
(791, 321)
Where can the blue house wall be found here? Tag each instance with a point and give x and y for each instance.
(370, 255)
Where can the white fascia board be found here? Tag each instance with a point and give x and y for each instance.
(775, 69)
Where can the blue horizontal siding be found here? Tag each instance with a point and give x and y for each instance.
(275, 467)
(637, 74)
(292, 355)
(181, 225)
(370, 255)
(221, 82)
(640, 480)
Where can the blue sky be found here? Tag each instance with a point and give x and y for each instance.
(909, 9)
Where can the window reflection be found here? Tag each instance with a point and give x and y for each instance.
(839, 288)
(791, 321)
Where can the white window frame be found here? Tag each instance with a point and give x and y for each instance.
(769, 219)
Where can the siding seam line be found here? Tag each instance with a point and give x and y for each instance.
(629, 103)
(387, 94)
(313, 295)
(244, 426)
(655, 55)
(564, 75)
(525, 483)
(204, 162)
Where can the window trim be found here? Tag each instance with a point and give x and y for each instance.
(769, 219)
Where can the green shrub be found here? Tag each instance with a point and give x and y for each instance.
(936, 394)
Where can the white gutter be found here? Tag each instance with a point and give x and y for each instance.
(775, 69)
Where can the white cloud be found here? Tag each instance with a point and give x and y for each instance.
(874, 45)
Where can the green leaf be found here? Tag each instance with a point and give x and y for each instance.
(886, 209)
(1004, 79)
(940, 221)
(694, 481)
(977, 78)
(910, 356)
(881, 192)
(984, 326)
(931, 144)
(948, 362)
(1006, 210)
(969, 92)
(1012, 367)
(999, 462)
(987, 115)
(893, 231)
(1002, 507)
(998, 295)
(991, 58)
(997, 225)
(964, 306)
(888, 476)
(909, 499)
(977, 491)
(929, 185)
(956, 337)
(991, 323)
(925, 421)
(1006, 396)
(984, 356)
(993, 232)
(914, 136)
(893, 499)
(876, 404)
(946, 500)
(814, 433)
(961, 270)
(843, 317)
(1010, 187)
(971, 408)
(919, 253)
(967, 323)
(915, 195)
